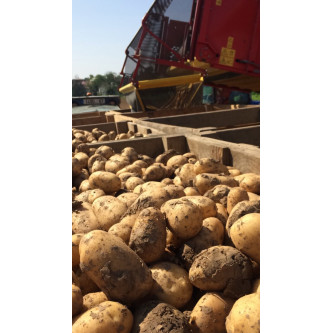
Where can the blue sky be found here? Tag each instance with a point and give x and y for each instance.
(101, 31)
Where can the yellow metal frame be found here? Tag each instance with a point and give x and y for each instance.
(127, 89)
(170, 81)
(140, 100)
(160, 83)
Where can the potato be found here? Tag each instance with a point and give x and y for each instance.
(184, 218)
(132, 182)
(146, 159)
(85, 186)
(150, 198)
(83, 197)
(158, 317)
(191, 191)
(177, 181)
(103, 137)
(122, 136)
(175, 191)
(169, 171)
(105, 151)
(222, 268)
(233, 171)
(167, 181)
(222, 213)
(211, 234)
(76, 167)
(92, 151)
(123, 229)
(148, 235)
(82, 147)
(82, 158)
(219, 194)
(98, 166)
(130, 168)
(117, 164)
(187, 174)
(93, 159)
(176, 161)
(77, 300)
(106, 181)
(75, 143)
(241, 209)
(97, 133)
(142, 164)
(124, 176)
(245, 315)
(171, 284)
(148, 186)
(154, 172)
(256, 286)
(105, 318)
(172, 240)
(130, 153)
(94, 194)
(206, 181)
(210, 313)
(164, 157)
(127, 198)
(235, 195)
(206, 205)
(250, 183)
(114, 267)
(189, 155)
(75, 280)
(108, 210)
(245, 234)
(93, 299)
(209, 165)
(84, 219)
(80, 136)
(112, 135)
(253, 196)
(76, 238)
(77, 180)
(86, 284)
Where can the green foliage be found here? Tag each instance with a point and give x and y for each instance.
(103, 84)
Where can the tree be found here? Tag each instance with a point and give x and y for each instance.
(103, 84)
(78, 89)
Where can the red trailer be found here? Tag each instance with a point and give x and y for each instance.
(183, 44)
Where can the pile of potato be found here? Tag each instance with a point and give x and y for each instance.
(97, 135)
(165, 244)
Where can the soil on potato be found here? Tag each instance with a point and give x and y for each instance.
(157, 317)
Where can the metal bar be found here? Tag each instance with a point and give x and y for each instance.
(197, 18)
(136, 70)
(139, 99)
(144, 31)
(169, 82)
(191, 99)
(164, 44)
(173, 63)
(127, 89)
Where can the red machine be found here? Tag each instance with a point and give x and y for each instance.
(184, 44)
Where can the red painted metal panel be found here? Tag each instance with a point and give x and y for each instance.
(233, 22)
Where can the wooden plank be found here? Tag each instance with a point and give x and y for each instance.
(106, 127)
(88, 120)
(225, 118)
(244, 157)
(152, 146)
(249, 135)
